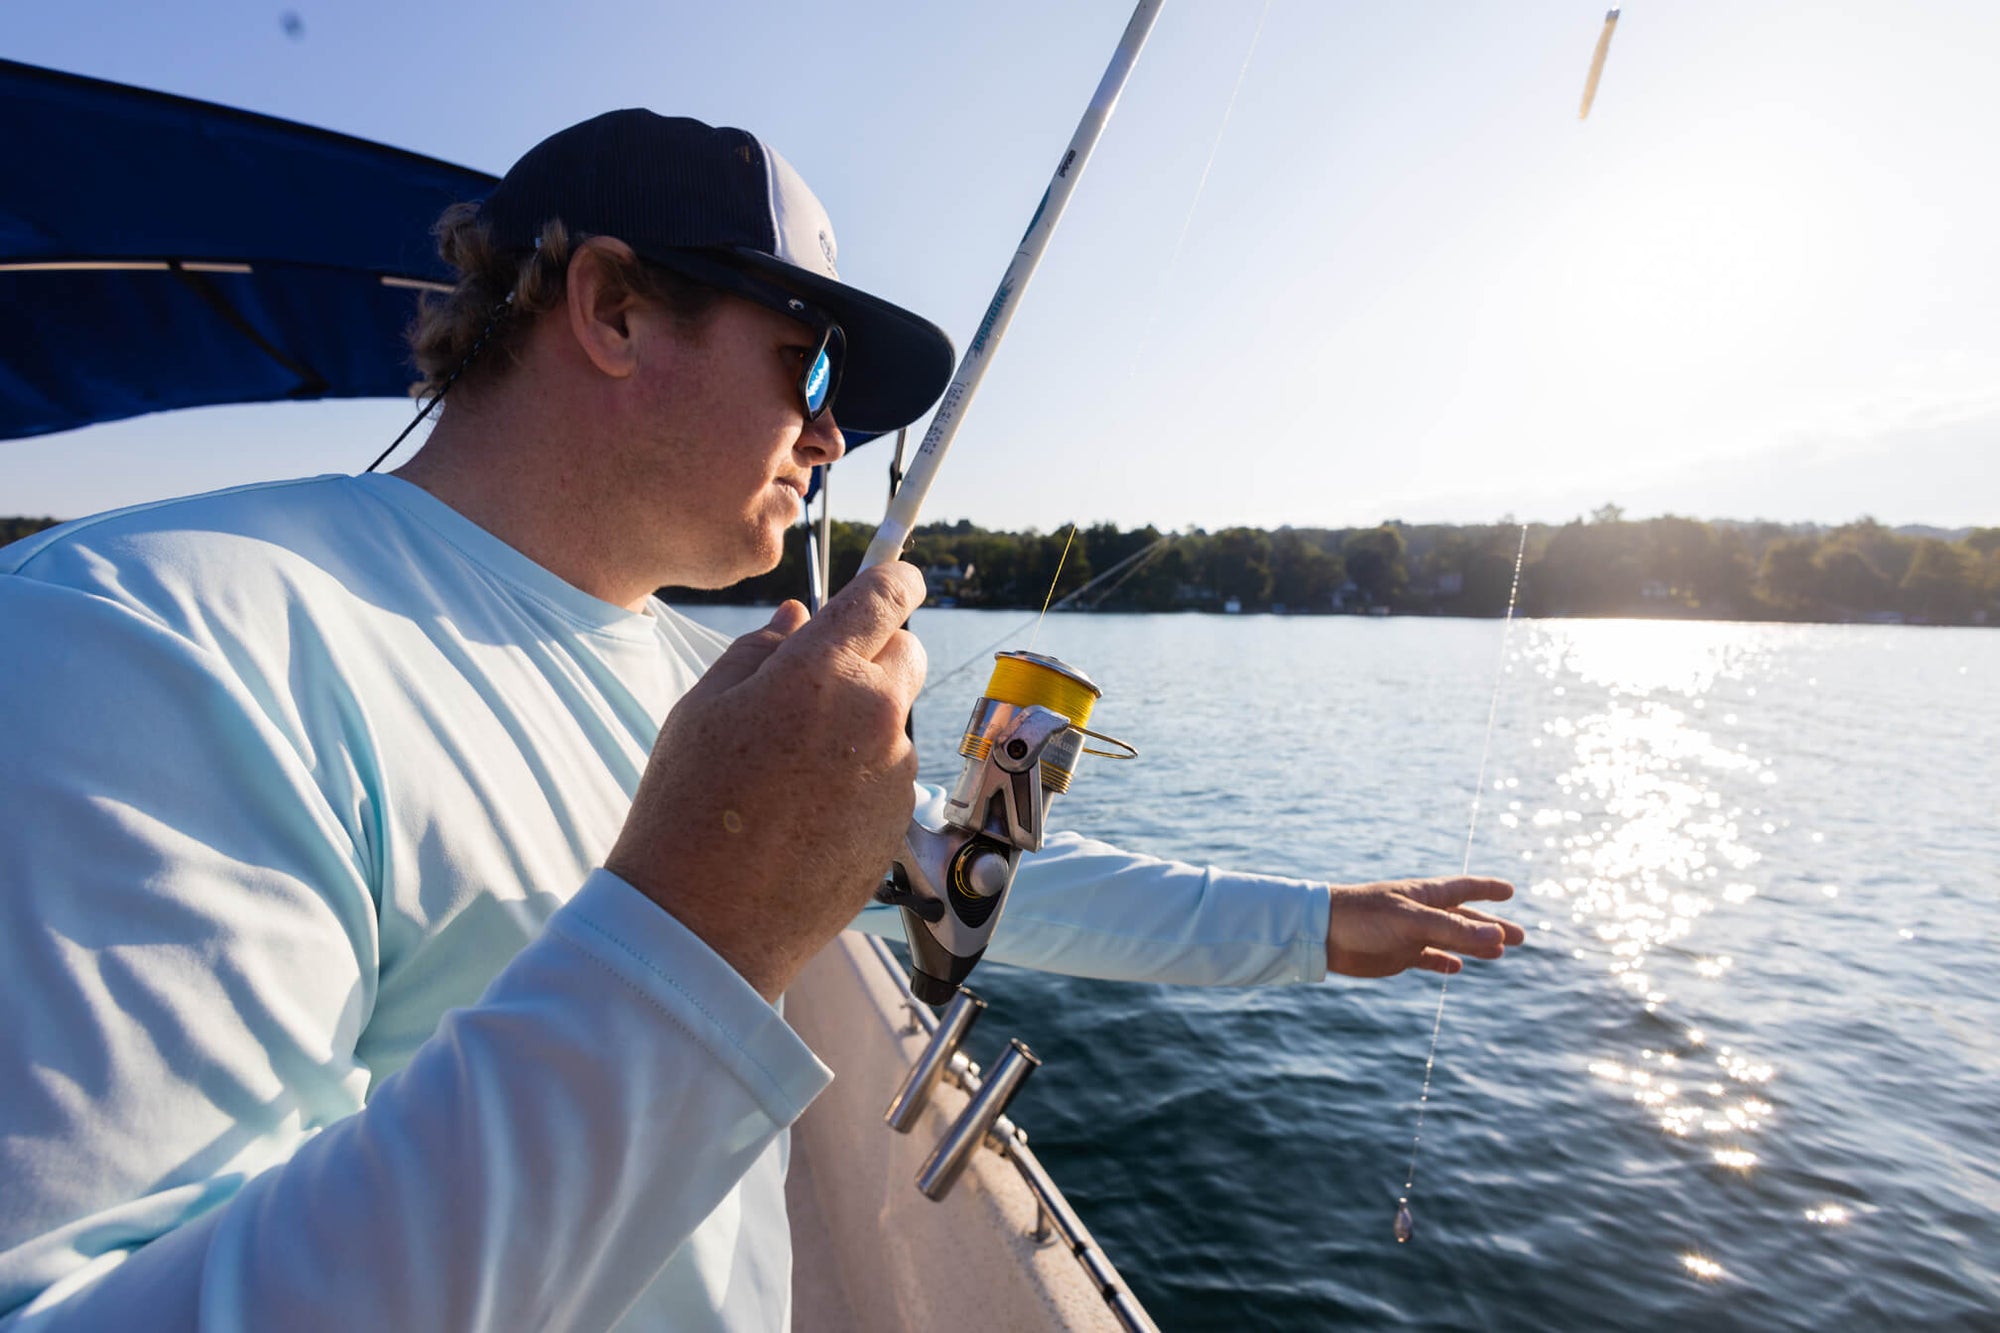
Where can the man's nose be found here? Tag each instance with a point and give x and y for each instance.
(822, 441)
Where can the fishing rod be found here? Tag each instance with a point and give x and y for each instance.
(1027, 732)
(901, 518)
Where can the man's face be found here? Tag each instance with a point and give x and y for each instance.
(728, 452)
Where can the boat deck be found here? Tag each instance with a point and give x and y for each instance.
(869, 1251)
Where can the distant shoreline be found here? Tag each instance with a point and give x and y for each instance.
(1603, 567)
(675, 598)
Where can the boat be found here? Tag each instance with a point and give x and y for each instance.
(224, 289)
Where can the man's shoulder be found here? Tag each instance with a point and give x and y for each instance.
(179, 531)
(207, 566)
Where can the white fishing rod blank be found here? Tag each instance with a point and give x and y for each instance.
(901, 518)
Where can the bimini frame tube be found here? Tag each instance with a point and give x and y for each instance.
(901, 518)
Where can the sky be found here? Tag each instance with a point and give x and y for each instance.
(1380, 270)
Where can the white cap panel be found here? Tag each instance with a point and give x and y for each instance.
(804, 232)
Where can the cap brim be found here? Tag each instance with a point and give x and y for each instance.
(897, 362)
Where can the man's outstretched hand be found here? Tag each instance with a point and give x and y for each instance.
(780, 787)
(1378, 930)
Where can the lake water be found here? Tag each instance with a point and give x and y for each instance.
(1744, 1074)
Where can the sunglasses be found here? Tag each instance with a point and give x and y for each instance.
(819, 369)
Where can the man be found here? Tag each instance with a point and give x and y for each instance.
(376, 957)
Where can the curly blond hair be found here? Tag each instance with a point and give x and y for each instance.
(499, 293)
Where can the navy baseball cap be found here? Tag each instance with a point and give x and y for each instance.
(667, 184)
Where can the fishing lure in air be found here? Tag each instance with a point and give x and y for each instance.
(1597, 64)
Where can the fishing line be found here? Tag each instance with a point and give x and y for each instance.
(1405, 1225)
(1133, 561)
(1060, 561)
(1216, 147)
(1201, 187)
(1106, 594)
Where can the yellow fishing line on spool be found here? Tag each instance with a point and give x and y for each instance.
(1027, 680)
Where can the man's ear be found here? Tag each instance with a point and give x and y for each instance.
(601, 305)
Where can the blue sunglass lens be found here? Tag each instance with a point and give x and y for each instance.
(818, 380)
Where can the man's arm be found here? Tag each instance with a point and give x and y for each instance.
(187, 989)
(1085, 908)
(533, 1166)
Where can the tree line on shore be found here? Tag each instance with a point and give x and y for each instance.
(13, 529)
(1603, 565)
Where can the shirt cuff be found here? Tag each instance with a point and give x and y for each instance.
(647, 947)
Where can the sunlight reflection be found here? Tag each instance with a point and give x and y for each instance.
(1644, 656)
(1639, 833)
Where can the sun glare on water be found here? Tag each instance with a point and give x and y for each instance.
(1644, 826)
(1703, 1267)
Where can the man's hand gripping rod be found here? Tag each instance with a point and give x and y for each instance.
(1020, 751)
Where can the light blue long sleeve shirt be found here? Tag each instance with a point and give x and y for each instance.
(320, 1013)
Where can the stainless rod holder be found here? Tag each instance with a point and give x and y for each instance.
(948, 1160)
(1050, 1206)
(910, 1099)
